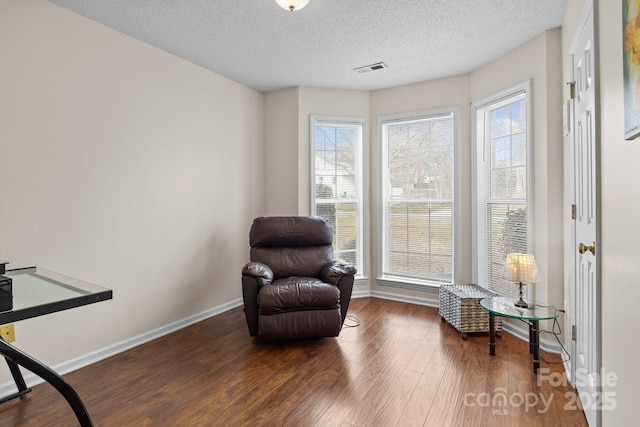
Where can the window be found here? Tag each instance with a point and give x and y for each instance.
(417, 228)
(502, 164)
(337, 183)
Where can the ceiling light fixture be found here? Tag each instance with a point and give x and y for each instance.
(292, 4)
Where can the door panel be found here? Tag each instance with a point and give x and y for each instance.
(585, 311)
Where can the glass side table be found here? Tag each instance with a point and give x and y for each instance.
(37, 292)
(505, 307)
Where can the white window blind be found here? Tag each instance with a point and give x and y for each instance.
(502, 164)
(337, 195)
(418, 221)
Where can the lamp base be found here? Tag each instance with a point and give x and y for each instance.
(521, 303)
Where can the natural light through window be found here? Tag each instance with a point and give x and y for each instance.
(418, 198)
(337, 193)
(502, 185)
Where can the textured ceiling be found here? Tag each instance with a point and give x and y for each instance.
(257, 43)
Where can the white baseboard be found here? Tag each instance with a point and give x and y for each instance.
(404, 298)
(360, 294)
(567, 371)
(523, 334)
(395, 297)
(95, 356)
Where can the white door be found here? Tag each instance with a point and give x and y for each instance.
(585, 317)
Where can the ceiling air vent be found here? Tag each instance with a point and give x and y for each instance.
(373, 67)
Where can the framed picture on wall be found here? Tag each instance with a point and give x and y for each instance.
(631, 65)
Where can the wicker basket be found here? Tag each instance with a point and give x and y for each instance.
(460, 306)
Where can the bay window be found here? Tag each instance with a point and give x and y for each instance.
(502, 185)
(337, 183)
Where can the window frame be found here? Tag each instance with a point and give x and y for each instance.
(408, 282)
(363, 170)
(477, 139)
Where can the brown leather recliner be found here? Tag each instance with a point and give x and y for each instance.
(292, 287)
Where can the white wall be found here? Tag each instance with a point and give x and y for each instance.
(124, 166)
(620, 231)
(620, 205)
(281, 174)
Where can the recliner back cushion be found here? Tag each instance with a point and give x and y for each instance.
(291, 246)
(290, 231)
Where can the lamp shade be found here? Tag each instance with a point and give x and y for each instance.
(520, 268)
(292, 4)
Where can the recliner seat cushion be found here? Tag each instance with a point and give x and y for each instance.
(297, 293)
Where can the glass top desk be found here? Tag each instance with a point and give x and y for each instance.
(37, 292)
(505, 307)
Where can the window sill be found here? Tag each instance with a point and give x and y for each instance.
(418, 285)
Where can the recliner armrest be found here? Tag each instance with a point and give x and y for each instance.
(336, 270)
(259, 271)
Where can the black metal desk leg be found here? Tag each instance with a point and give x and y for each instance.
(18, 379)
(492, 334)
(535, 338)
(20, 358)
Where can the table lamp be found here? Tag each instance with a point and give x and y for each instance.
(520, 268)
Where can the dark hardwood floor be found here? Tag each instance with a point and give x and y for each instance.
(401, 367)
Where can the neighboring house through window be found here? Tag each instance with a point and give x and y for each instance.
(337, 183)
